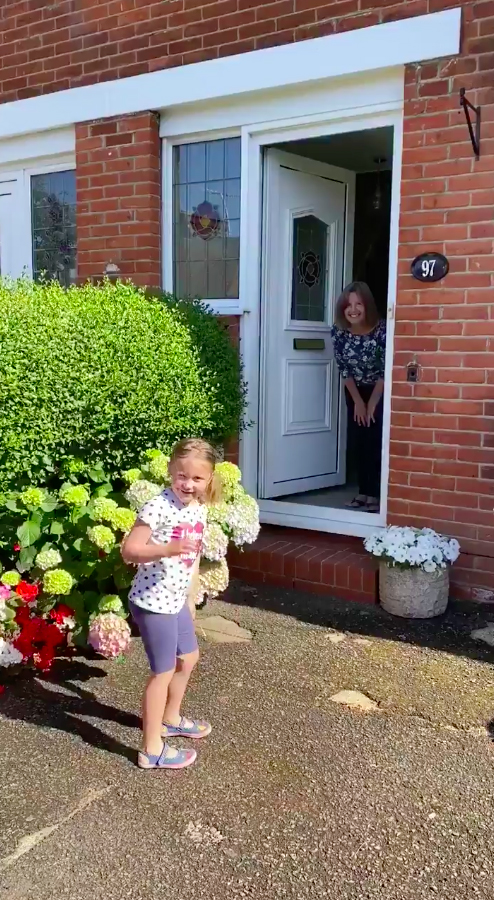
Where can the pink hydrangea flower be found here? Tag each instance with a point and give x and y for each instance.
(5, 591)
(109, 635)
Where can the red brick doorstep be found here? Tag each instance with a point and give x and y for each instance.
(309, 561)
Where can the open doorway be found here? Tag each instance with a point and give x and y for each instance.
(327, 210)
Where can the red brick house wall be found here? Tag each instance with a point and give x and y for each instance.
(118, 183)
(442, 429)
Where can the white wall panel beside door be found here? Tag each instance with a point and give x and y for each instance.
(11, 262)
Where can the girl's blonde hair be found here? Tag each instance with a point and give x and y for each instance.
(203, 450)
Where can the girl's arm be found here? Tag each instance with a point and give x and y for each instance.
(136, 548)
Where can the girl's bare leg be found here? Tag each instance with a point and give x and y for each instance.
(178, 686)
(153, 706)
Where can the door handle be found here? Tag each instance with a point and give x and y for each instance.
(309, 344)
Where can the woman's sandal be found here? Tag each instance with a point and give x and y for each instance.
(169, 758)
(356, 503)
(372, 507)
(187, 728)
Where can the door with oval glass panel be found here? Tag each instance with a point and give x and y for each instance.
(306, 260)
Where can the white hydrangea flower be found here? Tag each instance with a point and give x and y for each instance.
(48, 559)
(141, 492)
(9, 655)
(215, 542)
(243, 519)
(213, 578)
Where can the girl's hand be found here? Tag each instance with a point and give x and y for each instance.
(182, 547)
(360, 412)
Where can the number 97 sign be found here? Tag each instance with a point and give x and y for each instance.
(430, 267)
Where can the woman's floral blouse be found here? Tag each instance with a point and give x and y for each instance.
(360, 356)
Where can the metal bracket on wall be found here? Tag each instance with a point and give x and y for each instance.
(474, 134)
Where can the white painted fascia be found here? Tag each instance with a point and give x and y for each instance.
(18, 152)
(381, 89)
(362, 50)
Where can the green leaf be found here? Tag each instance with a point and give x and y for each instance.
(28, 533)
(57, 528)
(77, 513)
(97, 474)
(77, 545)
(46, 546)
(26, 559)
(79, 637)
(49, 504)
(103, 490)
(12, 505)
(123, 576)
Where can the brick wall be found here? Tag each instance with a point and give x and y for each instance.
(118, 178)
(52, 46)
(442, 435)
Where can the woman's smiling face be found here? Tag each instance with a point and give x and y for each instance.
(355, 311)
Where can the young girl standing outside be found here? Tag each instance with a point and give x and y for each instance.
(359, 339)
(165, 543)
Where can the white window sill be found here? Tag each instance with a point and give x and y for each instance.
(225, 307)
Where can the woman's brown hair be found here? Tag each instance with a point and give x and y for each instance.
(365, 296)
(205, 451)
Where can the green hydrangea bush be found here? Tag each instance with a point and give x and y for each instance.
(61, 571)
(96, 375)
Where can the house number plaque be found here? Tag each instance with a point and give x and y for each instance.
(430, 267)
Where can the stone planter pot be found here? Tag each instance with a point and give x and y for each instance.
(413, 593)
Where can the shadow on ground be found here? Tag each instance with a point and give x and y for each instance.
(449, 633)
(45, 701)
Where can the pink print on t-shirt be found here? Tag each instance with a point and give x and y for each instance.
(194, 532)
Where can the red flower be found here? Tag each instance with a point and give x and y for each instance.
(60, 613)
(22, 615)
(44, 659)
(51, 635)
(27, 592)
(17, 547)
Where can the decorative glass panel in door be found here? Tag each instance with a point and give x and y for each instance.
(310, 243)
(53, 226)
(206, 219)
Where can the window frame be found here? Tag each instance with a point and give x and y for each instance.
(222, 305)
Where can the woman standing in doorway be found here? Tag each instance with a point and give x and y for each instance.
(359, 339)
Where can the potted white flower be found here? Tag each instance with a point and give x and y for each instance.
(413, 570)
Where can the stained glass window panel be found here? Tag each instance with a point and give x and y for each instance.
(309, 276)
(206, 219)
(53, 224)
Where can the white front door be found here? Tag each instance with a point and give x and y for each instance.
(306, 210)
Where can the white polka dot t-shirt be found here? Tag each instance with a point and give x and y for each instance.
(161, 586)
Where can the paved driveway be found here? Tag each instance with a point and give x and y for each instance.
(293, 796)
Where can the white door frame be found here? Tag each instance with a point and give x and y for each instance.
(358, 114)
(254, 138)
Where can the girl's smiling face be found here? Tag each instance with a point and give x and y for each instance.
(190, 478)
(355, 311)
